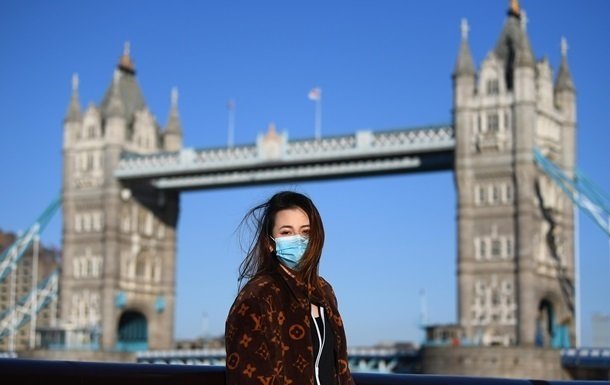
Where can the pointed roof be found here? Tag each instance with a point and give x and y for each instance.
(114, 106)
(74, 114)
(173, 123)
(564, 78)
(464, 64)
(525, 55)
(513, 46)
(125, 87)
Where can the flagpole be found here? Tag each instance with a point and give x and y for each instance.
(231, 122)
(319, 117)
(316, 95)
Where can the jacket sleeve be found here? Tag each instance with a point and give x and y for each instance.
(249, 358)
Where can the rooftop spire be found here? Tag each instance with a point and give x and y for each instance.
(564, 78)
(125, 63)
(173, 123)
(564, 47)
(124, 88)
(75, 83)
(515, 9)
(513, 46)
(174, 97)
(73, 113)
(465, 28)
(464, 64)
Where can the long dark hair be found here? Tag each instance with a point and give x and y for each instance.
(261, 219)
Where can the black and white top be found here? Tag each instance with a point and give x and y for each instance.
(324, 360)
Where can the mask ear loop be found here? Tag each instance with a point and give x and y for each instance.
(272, 244)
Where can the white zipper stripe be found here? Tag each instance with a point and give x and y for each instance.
(321, 340)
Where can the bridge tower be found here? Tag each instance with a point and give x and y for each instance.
(118, 278)
(515, 228)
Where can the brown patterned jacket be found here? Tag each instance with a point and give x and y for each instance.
(268, 333)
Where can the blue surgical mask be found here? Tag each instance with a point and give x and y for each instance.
(290, 249)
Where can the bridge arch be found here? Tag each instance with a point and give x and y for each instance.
(132, 331)
(545, 322)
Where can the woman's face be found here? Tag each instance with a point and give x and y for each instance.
(292, 221)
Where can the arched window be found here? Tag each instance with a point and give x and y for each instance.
(509, 247)
(492, 86)
(496, 248)
(492, 122)
(76, 267)
(140, 267)
(157, 270)
(483, 248)
(495, 195)
(482, 195)
(144, 266)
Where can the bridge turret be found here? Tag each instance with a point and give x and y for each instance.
(464, 71)
(564, 77)
(73, 119)
(172, 137)
(544, 85)
(145, 136)
(114, 113)
(118, 240)
(511, 272)
(565, 100)
(74, 113)
(463, 92)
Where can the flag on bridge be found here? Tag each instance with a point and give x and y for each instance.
(315, 94)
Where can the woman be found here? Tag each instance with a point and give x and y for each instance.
(284, 326)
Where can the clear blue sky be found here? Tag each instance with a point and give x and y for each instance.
(381, 65)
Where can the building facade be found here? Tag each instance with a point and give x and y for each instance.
(118, 281)
(19, 284)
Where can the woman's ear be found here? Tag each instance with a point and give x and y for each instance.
(271, 244)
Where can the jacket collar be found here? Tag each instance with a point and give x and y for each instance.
(304, 293)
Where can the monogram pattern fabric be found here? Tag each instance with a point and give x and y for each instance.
(268, 333)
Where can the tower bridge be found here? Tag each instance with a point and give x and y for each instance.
(123, 173)
(123, 176)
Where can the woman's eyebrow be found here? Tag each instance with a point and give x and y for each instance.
(305, 226)
(287, 226)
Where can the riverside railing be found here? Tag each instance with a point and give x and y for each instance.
(23, 371)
